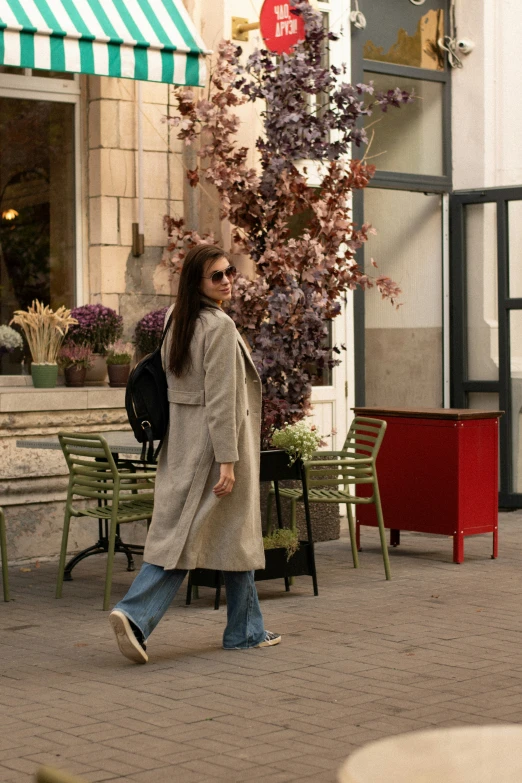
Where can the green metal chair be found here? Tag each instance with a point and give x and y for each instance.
(3, 553)
(122, 495)
(330, 475)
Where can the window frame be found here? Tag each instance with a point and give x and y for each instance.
(402, 181)
(39, 88)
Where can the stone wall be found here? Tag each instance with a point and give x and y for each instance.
(131, 285)
(33, 482)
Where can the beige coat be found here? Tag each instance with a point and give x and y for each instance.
(215, 417)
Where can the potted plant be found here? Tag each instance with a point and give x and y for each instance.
(285, 554)
(119, 357)
(149, 329)
(44, 331)
(75, 360)
(97, 326)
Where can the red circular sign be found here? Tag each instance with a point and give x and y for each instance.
(280, 28)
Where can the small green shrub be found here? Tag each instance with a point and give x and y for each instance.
(282, 538)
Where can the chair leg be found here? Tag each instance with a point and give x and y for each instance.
(353, 542)
(269, 512)
(110, 563)
(3, 553)
(63, 553)
(382, 532)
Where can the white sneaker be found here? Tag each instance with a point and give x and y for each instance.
(129, 645)
(269, 640)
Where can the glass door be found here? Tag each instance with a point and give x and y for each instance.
(486, 333)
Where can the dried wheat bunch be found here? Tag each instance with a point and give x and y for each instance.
(44, 330)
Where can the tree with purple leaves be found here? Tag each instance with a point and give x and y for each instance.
(311, 117)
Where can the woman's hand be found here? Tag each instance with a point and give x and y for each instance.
(226, 481)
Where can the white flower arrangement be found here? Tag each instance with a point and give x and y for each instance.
(300, 440)
(10, 340)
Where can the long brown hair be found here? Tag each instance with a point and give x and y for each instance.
(189, 304)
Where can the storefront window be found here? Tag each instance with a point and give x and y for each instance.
(37, 208)
(408, 140)
(404, 346)
(404, 34)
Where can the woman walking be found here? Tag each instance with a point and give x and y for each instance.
(206, 508)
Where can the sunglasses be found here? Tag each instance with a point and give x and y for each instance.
(217, 277)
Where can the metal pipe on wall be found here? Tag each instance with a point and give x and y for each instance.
(138, 229)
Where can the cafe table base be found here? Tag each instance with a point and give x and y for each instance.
(102, 547)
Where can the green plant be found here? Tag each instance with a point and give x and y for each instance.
(97, 326)
(299, 440)
(44, 330)
(282, 538)
(72, 355)
(119, 353)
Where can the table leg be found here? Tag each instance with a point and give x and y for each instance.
(358, 536)
(495, 544)
(395, 537)
(280, 523)
(458, 548)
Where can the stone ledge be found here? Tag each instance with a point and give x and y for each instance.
(25, 398)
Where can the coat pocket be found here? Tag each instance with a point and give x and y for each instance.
(186, 397)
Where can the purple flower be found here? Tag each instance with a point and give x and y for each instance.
(149, 330)
(98, 326)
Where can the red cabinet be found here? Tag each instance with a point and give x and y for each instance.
(438, 473)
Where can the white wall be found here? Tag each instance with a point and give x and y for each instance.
(486, 112)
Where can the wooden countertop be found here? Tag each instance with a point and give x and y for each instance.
(429, 413)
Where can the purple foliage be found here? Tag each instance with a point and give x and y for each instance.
(98, 326)
(309, 114)
(149, 330)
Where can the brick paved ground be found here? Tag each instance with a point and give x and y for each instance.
(440, 645)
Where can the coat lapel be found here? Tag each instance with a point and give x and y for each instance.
(246, 353)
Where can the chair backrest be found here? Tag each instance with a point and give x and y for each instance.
(92, 469)
(364, 438)
(355, 463)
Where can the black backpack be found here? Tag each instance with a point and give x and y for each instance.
(146, 401)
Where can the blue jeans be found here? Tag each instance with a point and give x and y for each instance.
(154, 588)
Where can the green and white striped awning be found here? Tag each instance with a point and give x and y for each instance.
(150, 40)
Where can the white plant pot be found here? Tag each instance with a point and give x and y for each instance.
(98, 371)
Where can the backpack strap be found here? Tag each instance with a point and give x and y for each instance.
(148, 454)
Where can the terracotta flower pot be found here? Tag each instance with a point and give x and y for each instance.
(118, 375)
(74, 375)
(44, 376)
(98, 372)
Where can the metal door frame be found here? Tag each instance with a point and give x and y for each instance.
(461, 385)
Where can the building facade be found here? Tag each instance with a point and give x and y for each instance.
(83, 157)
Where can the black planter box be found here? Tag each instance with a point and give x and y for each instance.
(276, 567)
(274, 467)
